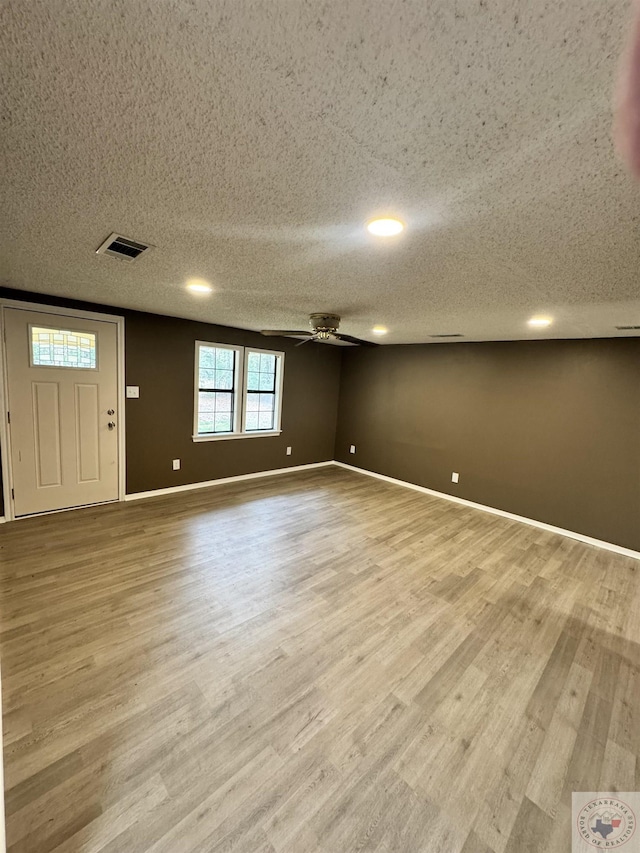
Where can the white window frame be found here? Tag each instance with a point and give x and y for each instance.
(240, 394)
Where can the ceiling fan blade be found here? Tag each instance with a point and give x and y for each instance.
(351, 340)
(306, 340)
(284, 332)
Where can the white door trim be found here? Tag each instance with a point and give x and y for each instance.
(5, 441)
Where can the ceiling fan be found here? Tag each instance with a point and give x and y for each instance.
(324, 328)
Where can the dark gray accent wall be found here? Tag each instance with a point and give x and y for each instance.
(159, 357)
(545, 429)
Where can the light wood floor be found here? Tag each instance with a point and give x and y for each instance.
(313, 663)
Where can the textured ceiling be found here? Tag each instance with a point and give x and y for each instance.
(250, 141)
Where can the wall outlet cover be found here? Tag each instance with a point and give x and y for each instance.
(288, 451)
(352, 449)
(455, 477)
(133, 392)
(176, 464)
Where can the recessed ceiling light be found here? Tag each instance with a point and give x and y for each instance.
(540, 322)
(385, 227)
(199, 285)
(379, 330)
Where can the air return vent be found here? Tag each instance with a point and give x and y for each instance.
(628, 328)
(122, 248)
(450, 335)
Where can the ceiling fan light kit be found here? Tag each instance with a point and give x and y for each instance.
(324, 328)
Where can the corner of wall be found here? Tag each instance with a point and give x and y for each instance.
(336, 432)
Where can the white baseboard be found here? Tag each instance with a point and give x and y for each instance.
(154, 493)
(580, 537)
(598, 543)
(2, 519)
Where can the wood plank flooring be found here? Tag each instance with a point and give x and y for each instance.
(313, 663)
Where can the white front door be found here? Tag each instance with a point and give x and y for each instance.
(62, 410)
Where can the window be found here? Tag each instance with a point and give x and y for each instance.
(238, 391)
(261, 391)
(217, 383)
(62, 348)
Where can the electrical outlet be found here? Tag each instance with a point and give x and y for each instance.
(352, 449)
(176, 464)
(455, 477)
(288, 451)
(133, 392)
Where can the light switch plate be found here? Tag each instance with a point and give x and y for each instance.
(133, 392)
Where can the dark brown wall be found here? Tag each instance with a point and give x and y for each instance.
(545, 429)
(159, 357)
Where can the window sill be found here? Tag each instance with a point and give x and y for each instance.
(226, 436)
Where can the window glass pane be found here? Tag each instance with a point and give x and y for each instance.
(206, 402)
(253, 362)
(253, 381)
(224, 379)
(266, 381)
(265, 420)
(252, 421)
(205, 422)
(60, 348)
(207, 357)
(220, 380)
(266, 402)
(223, 403)
(253, 402)
(207, 378)
(267, 363)
(224, 359)
(223, 422)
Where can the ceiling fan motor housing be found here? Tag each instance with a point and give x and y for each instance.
(324, 322)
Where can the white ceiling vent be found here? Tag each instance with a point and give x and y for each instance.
(628, 328)
(450, 335)
(122, 248)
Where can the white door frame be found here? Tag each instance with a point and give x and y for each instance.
(5, 439)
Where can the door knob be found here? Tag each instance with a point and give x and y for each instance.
(110, 412)
(111, 425)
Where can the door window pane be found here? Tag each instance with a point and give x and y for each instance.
(62, 348)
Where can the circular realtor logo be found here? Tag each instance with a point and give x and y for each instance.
(607, 824)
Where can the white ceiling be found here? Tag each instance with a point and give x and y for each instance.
(250, 141)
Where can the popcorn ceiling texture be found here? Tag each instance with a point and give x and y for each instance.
(250, 141)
